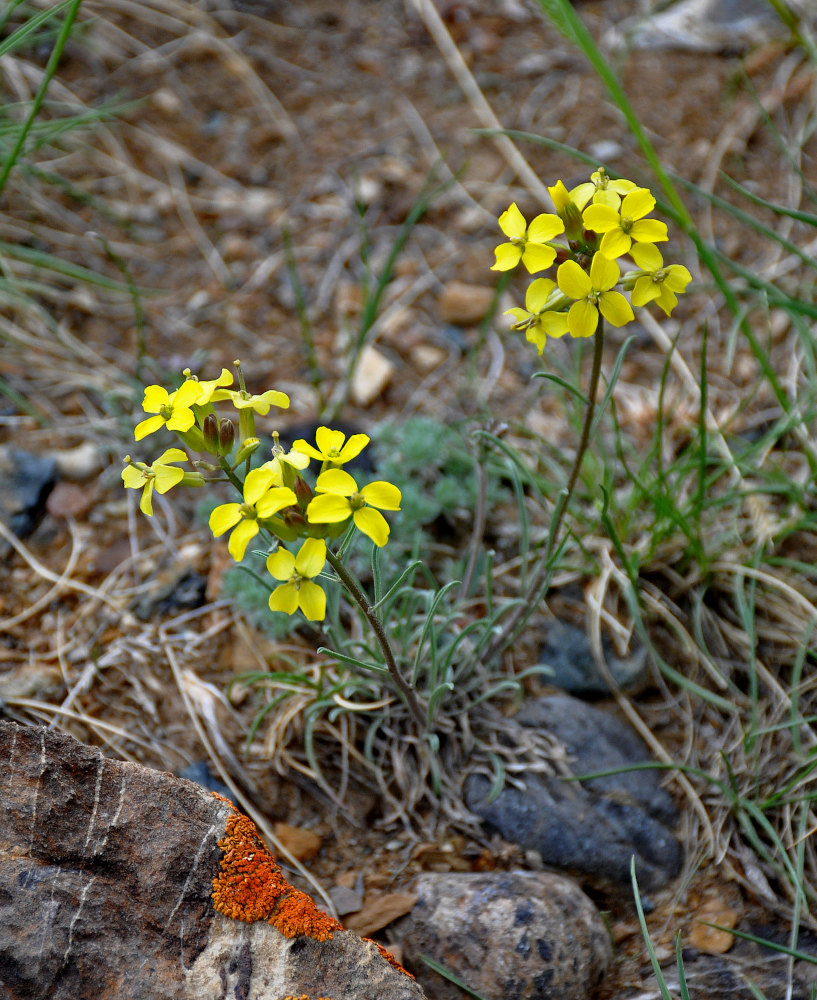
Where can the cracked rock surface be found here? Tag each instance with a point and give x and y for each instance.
(106, 871)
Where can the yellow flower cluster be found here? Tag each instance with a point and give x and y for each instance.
(275, 497)
(601, 220)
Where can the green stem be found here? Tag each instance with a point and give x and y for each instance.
(39, 97)
(519, 618)
(359, 598)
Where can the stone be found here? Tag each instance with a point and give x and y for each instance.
(729, 26)
(514, 935)
(25, 483)
(592, 828)
(568, 654)
(372, 375)
(110, 878)
(463, 304)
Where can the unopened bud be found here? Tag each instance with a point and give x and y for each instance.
(209, 430)
(302, 491)
(226, 436)
(248, 446)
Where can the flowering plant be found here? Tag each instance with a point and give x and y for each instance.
(277, 508)
(602, 220)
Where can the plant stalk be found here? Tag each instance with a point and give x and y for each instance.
(359, 598)
(519, 617)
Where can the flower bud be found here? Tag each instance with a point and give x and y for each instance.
(302, 491)
(209, 430)
(248, 446)
(226, 436)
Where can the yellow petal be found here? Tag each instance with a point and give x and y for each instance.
(328, 508)
(148, 426)
(257, 483)
(560, 196)
(614, 243)
(601, 218)
(133, 478)
(328, 439)
(537, 294)
(284, 598)
(274, 500)
(644, 291)
(649, 231)
(312, 601)
(615, 308)
(573, 281)
(646, 256)
(678, 277)
(167, 476)
(373, 524)
(224, 517)
(604, 273)
(537, 257)
(242, 535)
(155, 398)
(336, 481)
(507, 255)
(544, 227)
(512, 222)
(281, 564)
(581, 194)
(637, 203)
(353, 447)
(310, 560)
(181, 420)
(582, 319)
(381, 494)
(146, 503)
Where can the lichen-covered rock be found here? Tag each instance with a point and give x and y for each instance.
(110, 879)
(515, 935)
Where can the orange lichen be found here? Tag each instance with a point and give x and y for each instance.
(251, 886)
(385, 953)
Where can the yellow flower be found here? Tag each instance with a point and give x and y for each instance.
(339, 498)
(623, 228)
(209, 387)
(243, 400)
(528, 243)
(602, 190)
(593, 293)
(331, 448)
(262, 499)
(536, 319)
(173, 410)
(299, 591)
(656, 282)
(160, 476)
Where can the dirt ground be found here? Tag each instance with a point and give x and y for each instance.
(248, 117)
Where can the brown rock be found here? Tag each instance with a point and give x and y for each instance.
(534, 931)
(713, 940)
(106, 875)
(300, 842)
(464, 304)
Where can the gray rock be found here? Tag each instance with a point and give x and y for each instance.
(25, 482)
(568, 655)
(107, 876)
(729, 26)
(515, 935)
(592, 828)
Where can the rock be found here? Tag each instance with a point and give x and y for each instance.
(591, 828)
(25, 483)
(301, 843)
(568, 654)
(110, 879)
(729, 26)
(373, 373)
(464, 305)
(514, 935)
(173, 590)
(199, 772)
